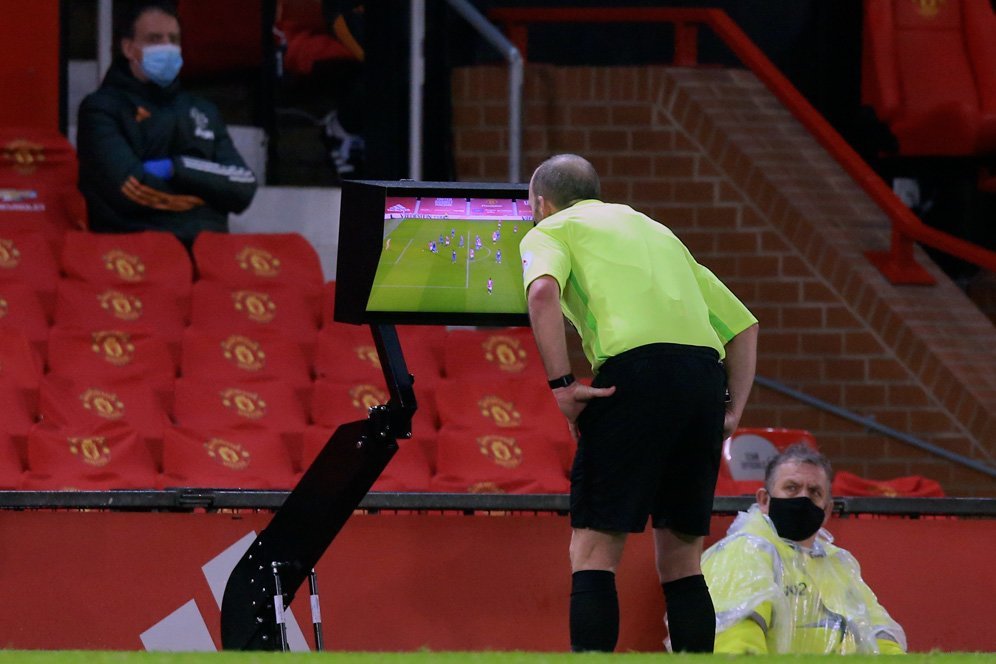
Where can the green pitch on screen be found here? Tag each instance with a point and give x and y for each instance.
(412, 278)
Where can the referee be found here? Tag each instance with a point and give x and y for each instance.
(656, 327)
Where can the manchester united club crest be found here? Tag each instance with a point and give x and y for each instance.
(127, 266)
(367, 354)
(102, 403)
(120, 305)
(243, 352)
(258, 261)
(243, 403)
(24, 155)
(114, 346)
(929, 8)
(366, 397)
(257, 307)
(501, 450)
(228, 454)
(499, 411)
(506, 352)
(92, 450)
(10, 255)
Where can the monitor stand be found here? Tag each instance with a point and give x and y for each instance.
(316, 510)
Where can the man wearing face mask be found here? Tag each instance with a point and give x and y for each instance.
(153, 157)
(780, 585)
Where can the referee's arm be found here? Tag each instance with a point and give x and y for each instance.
(741, 362)
(547, 322)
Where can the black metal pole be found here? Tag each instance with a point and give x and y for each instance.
(316, 611)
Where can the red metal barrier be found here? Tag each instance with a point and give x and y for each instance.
(897, 264)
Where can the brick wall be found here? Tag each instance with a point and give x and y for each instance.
(711, 153)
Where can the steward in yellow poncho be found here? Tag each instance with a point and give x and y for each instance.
(778, 583)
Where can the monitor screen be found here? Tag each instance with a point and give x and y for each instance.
(446, 253)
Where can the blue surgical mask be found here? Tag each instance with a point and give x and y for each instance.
(161, 63)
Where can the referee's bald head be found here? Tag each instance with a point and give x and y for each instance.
(564, 179)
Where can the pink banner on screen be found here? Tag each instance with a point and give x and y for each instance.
(442, 207)
(503, 208)
(397, 207)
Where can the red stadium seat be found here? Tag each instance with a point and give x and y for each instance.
(266, 405)
(20, 365)
(26, 258)
(497, 462)
(149, 258)
(38, 175)
(226, 459)
(492, 354)
(747, 452)
(18, 414)
(512, 406)
(927, 70)
(259, 259)
(232, 357)
(83, 306)
(38, 156)
(251, 309)
(80, 403)
(112, 356)
(88, 457)
(346, 353)
(20, 309)
(11, 469)
(328, 303)
(914, 486)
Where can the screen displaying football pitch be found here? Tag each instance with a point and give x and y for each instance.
(451, 255)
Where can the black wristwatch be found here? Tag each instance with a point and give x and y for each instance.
(563, 381)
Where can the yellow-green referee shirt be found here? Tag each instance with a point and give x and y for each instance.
(627, 281)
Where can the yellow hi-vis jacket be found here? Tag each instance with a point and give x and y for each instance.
(774, 596)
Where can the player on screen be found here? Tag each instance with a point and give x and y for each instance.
(498, 256)
(477, 241)
(461, 242)
(471, 254)
(453, 259)
(491, 285)
(494, 237)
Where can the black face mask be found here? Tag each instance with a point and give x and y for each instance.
(795, 519)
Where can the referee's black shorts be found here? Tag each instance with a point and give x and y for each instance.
(653, 447)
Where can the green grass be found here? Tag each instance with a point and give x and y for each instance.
(411, 278)
(88, 657)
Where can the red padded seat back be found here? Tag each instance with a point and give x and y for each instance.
(230, 458)
(236, 358)
(492, 354)
(11, 469)
(79, 402)
(113, 356)
(88, 457)
(497, 462)
(129, 259)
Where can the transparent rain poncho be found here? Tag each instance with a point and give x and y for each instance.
(804, 600)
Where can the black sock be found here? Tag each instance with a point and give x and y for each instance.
(594, 611)
(691, 618)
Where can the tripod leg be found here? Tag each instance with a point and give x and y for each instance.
(316, 611)
(278, 606)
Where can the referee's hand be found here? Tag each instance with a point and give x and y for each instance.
(574, 398)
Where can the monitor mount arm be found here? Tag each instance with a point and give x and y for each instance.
(317, 509)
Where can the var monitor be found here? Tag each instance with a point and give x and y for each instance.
(444, 253)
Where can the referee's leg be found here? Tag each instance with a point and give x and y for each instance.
(690, 614)
(594, 617)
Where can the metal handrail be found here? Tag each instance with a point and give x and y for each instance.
(873, 425)
(494, 37)
(897, 264)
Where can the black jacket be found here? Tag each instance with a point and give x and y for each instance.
(127, 122)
